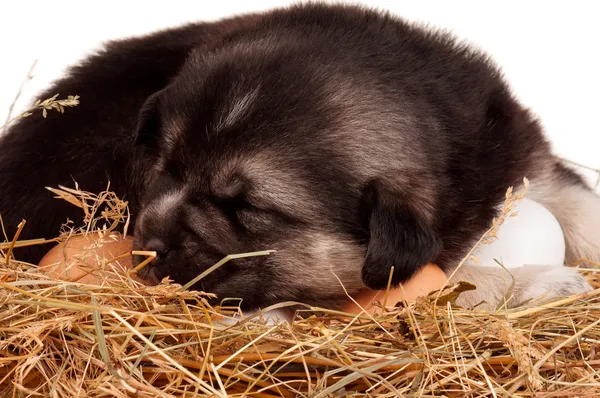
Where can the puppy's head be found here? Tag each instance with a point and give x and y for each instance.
(251, 152)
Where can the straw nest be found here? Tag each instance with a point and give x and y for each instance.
(122, 338)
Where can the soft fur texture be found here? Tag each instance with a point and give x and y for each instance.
(344, 138)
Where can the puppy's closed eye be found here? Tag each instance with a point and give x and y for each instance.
(255, 220)
(232, 197)
(245, 214)
(234, 205)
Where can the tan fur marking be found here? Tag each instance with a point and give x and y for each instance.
(319, 264)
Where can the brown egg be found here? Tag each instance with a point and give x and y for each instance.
(429, 279)
(77, 259)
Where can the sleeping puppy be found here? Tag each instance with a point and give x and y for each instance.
(346, 139)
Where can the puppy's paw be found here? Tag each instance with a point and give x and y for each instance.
(547, 283)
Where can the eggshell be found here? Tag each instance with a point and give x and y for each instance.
(75, 259)
(429, 279)
(532, 237)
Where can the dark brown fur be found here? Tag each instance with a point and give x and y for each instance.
(344, 138)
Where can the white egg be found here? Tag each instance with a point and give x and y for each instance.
(532, 237)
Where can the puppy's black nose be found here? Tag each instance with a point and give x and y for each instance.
(158, 246)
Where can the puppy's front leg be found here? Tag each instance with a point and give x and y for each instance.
(532, 284)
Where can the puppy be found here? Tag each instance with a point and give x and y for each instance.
(342, 137)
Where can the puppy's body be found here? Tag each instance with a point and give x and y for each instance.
(347, 140)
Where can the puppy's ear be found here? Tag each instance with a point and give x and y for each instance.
(148, 124)
(400, 235)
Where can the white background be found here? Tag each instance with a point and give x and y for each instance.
(548, 50)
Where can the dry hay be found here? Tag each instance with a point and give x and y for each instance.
(121, 338)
